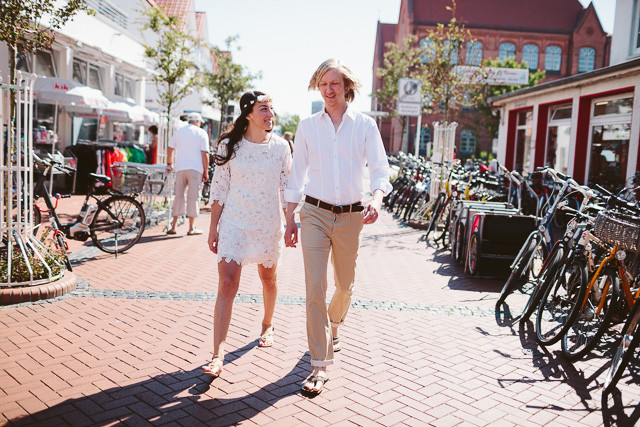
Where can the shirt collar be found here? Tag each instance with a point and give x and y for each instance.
(350, 113)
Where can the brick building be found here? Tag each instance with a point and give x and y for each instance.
(558, 36)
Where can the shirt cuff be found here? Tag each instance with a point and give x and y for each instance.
(292, 196)
(381, 184)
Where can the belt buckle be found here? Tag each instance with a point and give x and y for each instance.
(337, 209)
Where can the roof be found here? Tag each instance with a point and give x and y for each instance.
(386, 33)
(547, 16)
(201, 23)
(571, 80)
(178, 8)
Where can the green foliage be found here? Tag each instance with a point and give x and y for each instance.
(488, 117)
(228, 80)
(171, 57)
(21, 25)
(19, 270)
(444, 90)
(289, 123)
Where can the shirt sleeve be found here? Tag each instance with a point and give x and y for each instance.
(221, 179)
(284, 175)
(299, 166)
(377, 160)
(204, 146)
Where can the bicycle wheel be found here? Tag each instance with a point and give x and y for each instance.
(628, 343)
(558, 308)
(518, 276)
(457, 250)
(473, 259)
(118, 224)
(591, 323)
(545, 279)
(442, 223)
(435, 213)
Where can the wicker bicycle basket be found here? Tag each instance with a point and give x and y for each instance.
(127, 180)
(618, 229)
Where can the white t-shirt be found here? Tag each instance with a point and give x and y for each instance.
(189, 142)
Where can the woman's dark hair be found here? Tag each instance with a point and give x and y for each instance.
(240, 126)
(153, 129)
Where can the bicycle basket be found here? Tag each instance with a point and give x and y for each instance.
(127, 180)
(618, 229)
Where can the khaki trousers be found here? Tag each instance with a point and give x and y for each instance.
(189, 180)
(323, 232)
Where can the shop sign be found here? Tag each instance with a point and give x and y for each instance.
(492, 75)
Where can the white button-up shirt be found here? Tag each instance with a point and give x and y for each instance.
(333, 162)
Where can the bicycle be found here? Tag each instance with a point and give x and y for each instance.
(114, 223)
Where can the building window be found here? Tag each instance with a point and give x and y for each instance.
(467, 143)
(425, 140)
(586, 60)
(123, 87)
(428, 51)
(530, 56)
(87, 74)
(42, 63)
(524, 156)
(110, 11)
(610, 136)
(559, 138)
(553, 58)
(474, 53)
(450, 52)
(507, 50)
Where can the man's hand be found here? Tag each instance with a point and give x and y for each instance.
(205, 176)
(372, 210)
(291, 233)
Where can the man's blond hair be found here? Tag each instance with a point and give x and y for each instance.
(351, 82)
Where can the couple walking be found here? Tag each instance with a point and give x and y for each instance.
(256, 180)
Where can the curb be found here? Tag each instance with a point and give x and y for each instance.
(49, 290)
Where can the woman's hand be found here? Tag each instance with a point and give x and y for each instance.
(213, 240)
(291, 233)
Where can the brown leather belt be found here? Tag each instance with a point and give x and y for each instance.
(355, 207)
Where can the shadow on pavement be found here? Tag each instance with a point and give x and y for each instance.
(172, 397)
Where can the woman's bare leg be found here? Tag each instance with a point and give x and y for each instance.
(269, 278)
(229, 281)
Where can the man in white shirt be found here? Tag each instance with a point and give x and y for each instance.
(191, 145)
(332, 149)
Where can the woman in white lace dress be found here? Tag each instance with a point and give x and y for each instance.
(246, 198)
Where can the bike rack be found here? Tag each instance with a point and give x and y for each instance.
(16, 181)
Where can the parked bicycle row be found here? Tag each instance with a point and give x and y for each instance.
(571, 252)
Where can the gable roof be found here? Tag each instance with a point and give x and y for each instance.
(178, 8)
(386, 33)
(546, 16)
(201, 22)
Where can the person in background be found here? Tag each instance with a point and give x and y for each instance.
(288, 136)
(332, 149)
(152, 153)
(191, 147)
(252, 165)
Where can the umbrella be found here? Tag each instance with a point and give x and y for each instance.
(54, 90)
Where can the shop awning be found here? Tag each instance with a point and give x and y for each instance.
(128, 112)
(67, 93)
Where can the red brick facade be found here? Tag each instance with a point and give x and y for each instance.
(543, 23)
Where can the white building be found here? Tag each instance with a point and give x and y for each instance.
(587, 125)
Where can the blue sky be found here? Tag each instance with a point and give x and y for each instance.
(287, 39)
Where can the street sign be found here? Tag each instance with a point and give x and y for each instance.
(495, 76)
(409, 97)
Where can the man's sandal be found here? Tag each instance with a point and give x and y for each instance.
(214, 368)
(336, 345)
(314, 380)
(266, 339)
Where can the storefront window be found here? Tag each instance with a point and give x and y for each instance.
(524, 157)
(609, 155)
(84, 128)
(558, 138)
(612, 107)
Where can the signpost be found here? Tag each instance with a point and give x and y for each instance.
(410, 104)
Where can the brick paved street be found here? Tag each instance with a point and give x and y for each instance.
(421, 346)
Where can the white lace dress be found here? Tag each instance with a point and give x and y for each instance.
(250, 187)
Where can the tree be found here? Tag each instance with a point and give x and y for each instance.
(444, 89)
(228, 80)
(171, 57)
(400, 60)
(23, 30)
(488, 117)
(289, 123)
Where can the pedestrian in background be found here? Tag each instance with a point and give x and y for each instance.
(332, 149)
(191, 145)
(247, 209)
(152, 153)
(288, 136)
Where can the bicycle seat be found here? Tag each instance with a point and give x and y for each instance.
(100, 178)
